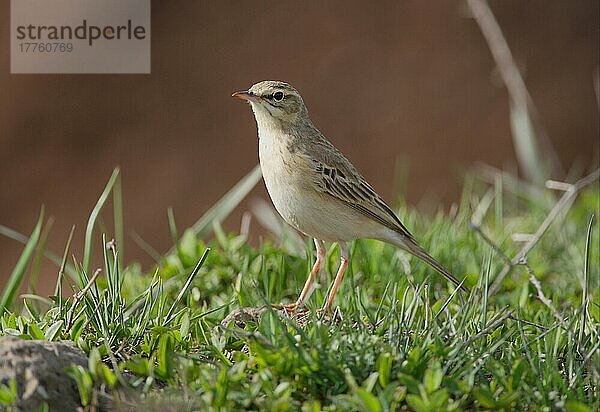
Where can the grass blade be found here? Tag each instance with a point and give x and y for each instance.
(18, 273)
(53, 257)
(118, 217)
(39, 253)
(526, 144)
(172, 225)
(89, 230)
(524, 121)
(63, 265)
(586, 277)
(169, 316)
(146, 247)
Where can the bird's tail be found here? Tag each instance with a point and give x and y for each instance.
(412, 247)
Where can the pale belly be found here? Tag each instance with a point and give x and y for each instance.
(289, 183)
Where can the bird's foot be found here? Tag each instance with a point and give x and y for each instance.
(291, 309)
(329, 314)
(302, 314)
(242, 316)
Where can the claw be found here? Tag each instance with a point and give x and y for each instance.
(289, 309)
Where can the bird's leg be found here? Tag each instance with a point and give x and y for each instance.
(345, 257)
(309, 286)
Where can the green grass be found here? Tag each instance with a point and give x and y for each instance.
(405, 341)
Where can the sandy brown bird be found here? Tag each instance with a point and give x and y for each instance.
(316, 189)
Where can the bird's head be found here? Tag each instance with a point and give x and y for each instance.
(274, 102)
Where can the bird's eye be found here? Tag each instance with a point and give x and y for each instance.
(278, 96)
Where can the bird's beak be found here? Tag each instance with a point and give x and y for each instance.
(244, 95)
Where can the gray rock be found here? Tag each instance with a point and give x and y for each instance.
(39, 370)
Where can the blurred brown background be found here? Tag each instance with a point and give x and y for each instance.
(406, 80)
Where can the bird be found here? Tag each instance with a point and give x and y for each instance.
(317, 190)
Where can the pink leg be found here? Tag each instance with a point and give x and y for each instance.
(308, 286)
(338, 277)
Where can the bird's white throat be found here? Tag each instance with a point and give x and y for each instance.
(265, 120)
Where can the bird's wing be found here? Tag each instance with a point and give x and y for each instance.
(337, 177)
